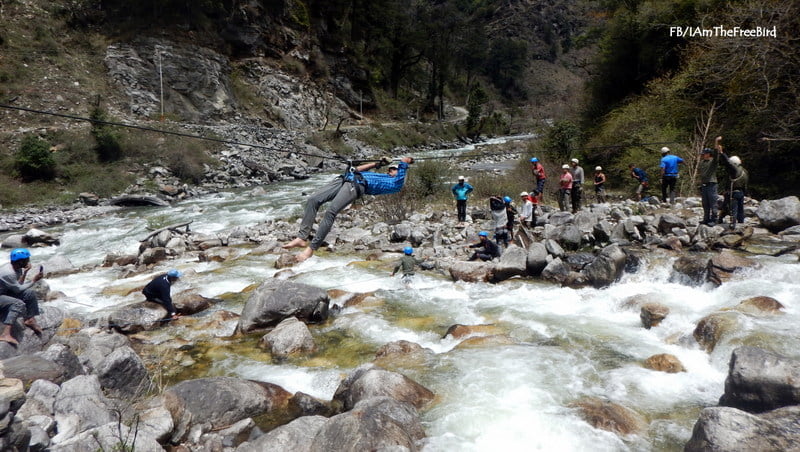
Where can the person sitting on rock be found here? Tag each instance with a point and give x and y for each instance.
(407, 263)
(341, 192)
(489, 250)
(16, 297)
(158, 290)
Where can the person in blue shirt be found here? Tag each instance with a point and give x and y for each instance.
(157, 291)
(461, 192)
(341, 192)
(669, 174)
(643, 181)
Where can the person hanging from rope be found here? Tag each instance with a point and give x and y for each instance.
(157, 291)
(16, 296)
(341, 192)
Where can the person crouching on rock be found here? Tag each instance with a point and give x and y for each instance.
(16, 297)
(158, 290)
(489, 250)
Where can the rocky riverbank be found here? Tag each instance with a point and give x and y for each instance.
(90, 380)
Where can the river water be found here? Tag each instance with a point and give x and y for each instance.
(562, 345)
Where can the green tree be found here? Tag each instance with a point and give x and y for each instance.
(506, 62)
(477, 98)
(561, 139)
(33, 160)
(108, 146)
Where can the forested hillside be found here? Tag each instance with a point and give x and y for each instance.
(608, 75)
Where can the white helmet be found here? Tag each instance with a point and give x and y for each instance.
(598, 168)
(735, 160)
(523, 194)
(564, 166)
(664, 150)
(574, 160)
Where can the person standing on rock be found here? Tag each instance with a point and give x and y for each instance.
(577, 184)
(17, 297)
(497, 207)
(669, 174)
(489, 250)
(341, 192)
(407, 264)
(641, 178)
(709, 159)
(527, 214)
(461, 191)
(737, 188)
(539, 176)
(158, 291)
(599, 184)
(565, 187)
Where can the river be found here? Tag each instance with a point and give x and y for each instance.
(567, 345)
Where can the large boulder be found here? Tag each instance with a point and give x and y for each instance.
(79, 406)
(607, 267)
(777, 215)
(123, 373)
(49, 320)
(376, 423)
(722, 266)
(721, 429)
(32, 367)
(512, 263)
(667, 222)
(471, 271)
(275, 300)
(536, 259)
(610, 416)
(112, 436)
(136, 317)
(689, 270)
(289, 337)
(711, 329)
(215, 402)
(371, 381)
(760, 306)
(759, 380)
(556, 271)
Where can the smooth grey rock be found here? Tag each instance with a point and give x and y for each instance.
(290, 336)
(759, 380)
(369, 380)
(297, 435)
(274, 301)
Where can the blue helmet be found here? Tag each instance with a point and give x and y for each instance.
(20, 253)
(408, 250)
(506, 199)
(174, 273)
(534, 160)
(483, 234)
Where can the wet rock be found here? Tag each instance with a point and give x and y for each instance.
(274, 301)
(307, 405)
(722, 266)
(152, 255)
(89, 199)
(377, 423)
(610, 416)
(136, 317)
(137, 200)
(291, 336)
(211, 403)
(556, 271)
(652, 314)
(121, 260)
(760, 306)
(759, 380)
(664, 362)
(219, 254)
(690, 270)
(712, 328)
(35, 237)
(191, 302)
(369, 381)
(459, 331)
(492, 340)
(729, 429)
(471, 271)
(777, 215)
(607, 267)
(285, 260)
(401, 354)
(668, 221)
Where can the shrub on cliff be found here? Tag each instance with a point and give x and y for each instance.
(33, 160)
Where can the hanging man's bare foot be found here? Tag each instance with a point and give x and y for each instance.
(31, 323)
(296, 243)
(305, 254)
(8, 338)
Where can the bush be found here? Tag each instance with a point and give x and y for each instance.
(428, 179)
(33, 160)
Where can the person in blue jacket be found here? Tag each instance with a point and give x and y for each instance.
(669, 174)
(158, 290)
(461, 191)
(341, 192)
(643, 181)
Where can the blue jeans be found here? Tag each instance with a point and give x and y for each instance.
(737, 207)
(708, 194)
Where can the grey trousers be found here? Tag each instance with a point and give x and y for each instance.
(708, 194)
(10, 309)
(340, 195)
